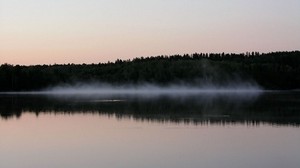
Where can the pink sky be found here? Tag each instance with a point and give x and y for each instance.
(42, 32)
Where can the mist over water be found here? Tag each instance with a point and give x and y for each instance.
(151, 89)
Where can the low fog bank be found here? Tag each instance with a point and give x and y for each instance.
(151, 89)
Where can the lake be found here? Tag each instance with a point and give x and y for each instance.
(228, 130)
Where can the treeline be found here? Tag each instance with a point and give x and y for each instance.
(277, 70)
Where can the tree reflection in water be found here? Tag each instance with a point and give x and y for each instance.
(275, 108)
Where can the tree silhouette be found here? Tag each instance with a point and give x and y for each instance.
(276, 70)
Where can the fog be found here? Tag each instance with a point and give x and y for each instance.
(209, 84)
(150, 89)
(147, 90)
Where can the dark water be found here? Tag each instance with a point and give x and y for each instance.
(170, 131)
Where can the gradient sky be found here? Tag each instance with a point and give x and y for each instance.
(92, 31)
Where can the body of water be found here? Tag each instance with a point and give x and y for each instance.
(133, 131)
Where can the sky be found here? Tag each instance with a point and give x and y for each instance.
(93, 31)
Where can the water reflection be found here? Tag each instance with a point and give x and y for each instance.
(275, 108)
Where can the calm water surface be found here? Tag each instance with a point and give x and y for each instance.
(211, 131)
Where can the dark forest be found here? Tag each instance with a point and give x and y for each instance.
(276, 70)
